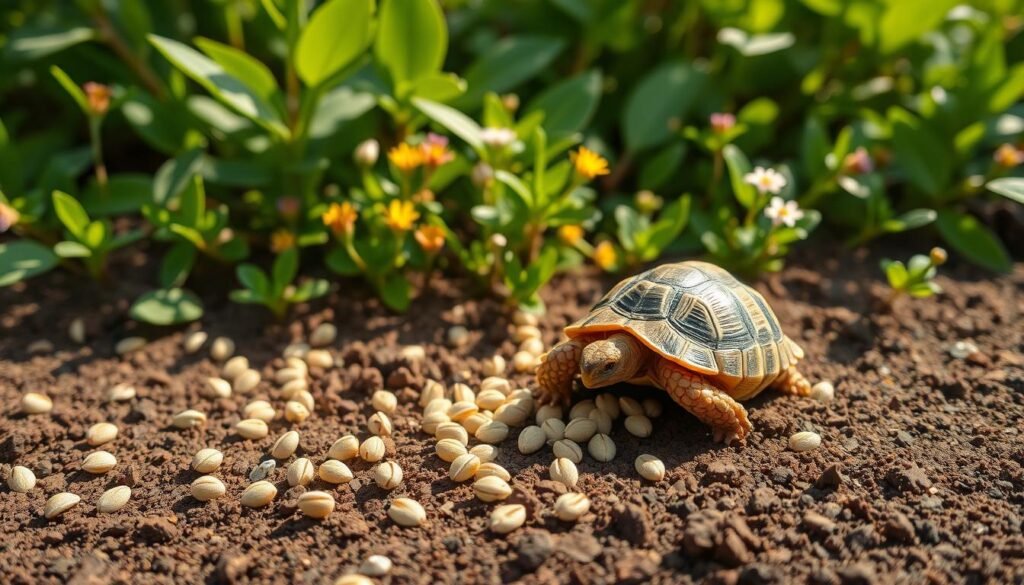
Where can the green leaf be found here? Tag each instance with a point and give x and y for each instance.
(670, 224)
(338, 107)
(72, 88)
(396, 292)
(412, 39)
(814, 147)
(96, 234)
(755, 45)
(22, 259)
(1010, 187)
(506, 64)
(177, 264)
(69, 249)
(437, 87)
(659, 103)
(167, 307)
(31, 44)
(253, 73)
(914, 218)
(253, 279)
(517, 186)
(455, 121)
(629, 224)
(568, 106)
(739, 166)
(337, 33)
(338, 260)
(71, 214)
(975, 241)
(896, 274)
(124, 193)
(192, 204)
(661, 166)
(905, 21)
(175, 175)
(286, 266)
(920, 153)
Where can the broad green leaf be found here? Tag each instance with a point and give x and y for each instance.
(914, 218)
(412, 39)
(455, 121)
(629, 224)
(69, 249)
(31, 44)
(905, 21)
(975, 241)
(920, 153)
(337, 33)
(96, 234)
(337, 107)
(670, 224)
(254, 74)
(22, 259)
(192, 204)
(396, 292)
(659, 103)
(247, 173)
(338, 260)
(739, 166)
(662, 165)
(517, 186)
(506, 64)
(167, 307)
(1010, 187)
(286, 266)
(175, 175)
(755, 45)
(177, 264)
(163, 127)
(896, 274)
(76, 93)
(253, 279)
(568, 106)
(436, 87)
(124, 193)
(71, 214)
(310, 289)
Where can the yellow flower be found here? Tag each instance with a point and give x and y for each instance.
(340, 218)
(405, 157)
(588, 163)
(1008, 156)
(282, 240)
(430, 238)
(8, 217)
(605, 255)
(570, 234)
(400, 215)
(97, 96)
(435, 151)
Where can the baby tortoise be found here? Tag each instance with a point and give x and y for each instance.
(689, 328)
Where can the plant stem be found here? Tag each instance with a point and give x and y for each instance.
(97, 152)
(109, 35)
(236, 34)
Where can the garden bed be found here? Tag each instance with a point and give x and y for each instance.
(919, 477)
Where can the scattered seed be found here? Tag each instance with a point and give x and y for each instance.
(285, 445)
(290, 389)
(449, 449)
(258, 494)
(21, 480)
(531, 439)
(300, 472)
(380, 424)
(491, 489)
(475, 421)
(432, 421)
(563, 470)
(372, 450)
(582, 409)
(513, 414)
(523, 318)
(462, 410)
(580, 429)
(524, 361)
(639, 425)
(286, 375)
(414, 353)
(99, 462)
(962, 349)
(375, 566)
(462, 393)
(121, 393)
(263, 470)
(804, 441)
(609, 404)
(388, 475)
(630, 406)
(100, 434)
(354, 579)
(451, 430)
(259, 409)
(295, 412)
(207, 488)
(554, 429)
(234, 367)
(217, 388)
(344, 448)
(458, 336)
(222, 349)
(316, 504)
(496, 383)
(493, 366)
(533, 346)
(436, 405)
(36, 403)
(490, 468)
(568, 449)
(319, 358)
(305, 398)
(188, 419)
(113, 499)
(464, 467)
(548, 411)
(60, 503)
(129, 345)
(572, 506)
(492, 432)
(524, 332)
(334, 471)
(384, 401)
(297, 363)
(823, 391)
(432, 389)
(252, 428)
(207, 460)
(324, 334)
(652, 407)
(76, 330)
(602, 419)
(602, 448)
(650, 467)
(40, 346)
(507, 517)
(247, 381)
(406, 512)
(490, 399)
(485, 452)
(194, 341)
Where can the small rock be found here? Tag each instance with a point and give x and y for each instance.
(904, 439)
(633, 523)
(231, 567)
(533, 548)
(961, 349)
(831, 478)
(156, 530)
(818, 524)
(858, 574)
(722, 472)
(637, 566)
(732, 551)
(763, 501)
(912, 479)
(899, 528)
(759, 574)
(582, 548)
(783, 475)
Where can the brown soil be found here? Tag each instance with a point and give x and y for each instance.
(920, 477)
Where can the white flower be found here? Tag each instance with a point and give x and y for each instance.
(766, 180)
(497, 137)
(783, 212)
(367, 152)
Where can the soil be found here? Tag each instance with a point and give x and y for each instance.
(919, 479)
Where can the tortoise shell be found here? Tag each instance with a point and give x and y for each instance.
(700, 317)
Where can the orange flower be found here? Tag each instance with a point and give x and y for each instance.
(281, 240)
(8, 217)
(1009, 156)
(97, 96)
(430, 238)
(435, 151)
(588, 163)
(401, 215)
(606, 256)
(405, 157)
(570, 234)
(340, 218)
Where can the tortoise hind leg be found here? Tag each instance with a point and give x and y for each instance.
(792, 382)
(556, 371)
(726, 417)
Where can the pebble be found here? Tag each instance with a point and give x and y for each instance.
(262, 470)
(962, 349)
(375, 566)
(324, 334)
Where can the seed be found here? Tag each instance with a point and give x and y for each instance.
(823, 391)
(298, 364)
(305, 398)
(262, 471)
(490, 399)
(548, 411)
(252, 428)
(372, 449)
(492, 469)
(608, 404)
(485, 452)
(286, 375)
(217, 388)
(493, 366)
(234, 367)
(464, 467)
(380, 424)
(375, 566)
(384, 401)
(531, 439)
(100, 434)
(580, 429)
(554, 429)
(297, 349)
(522, 396)
(523, 318)
(290, 389)
(512, 414)
(316, 504)
(259, 494)
(324, 334)
(22, 480)
(652, 407)
(333, 471)
(354, 579)
(639, 425)
(247, 381)
(40, 346)
(496, 383)
(188, 419)
(129, 345)
(449, 449)
(532, 346)
(564, 471)
(388, 475)
(581, 409)
(438, 405)
(222, 349)
(35, 403)
(524, 361)
(462, 393)
(491, 489)
(475, 421)
(207, 460)
(630, 406)
(207, 488)
(508, 517)
(259, 409)
(285, 445)
(650, 467)
(300, 472)
(121, 393)
(451, 430)
(804, 441)
(462, 410)
(571, 506)
(524, 332)
(492, 432)
(194, 341)
(432, 421)
(602, 448)
(406, 512)
(431, 389)
(113, 499)
(458, 336)
(295, 411)
(344, 448)
(99, 462)
(319, 358)
(568, 449)
(60, 503)
(602, 420)
(76, 330)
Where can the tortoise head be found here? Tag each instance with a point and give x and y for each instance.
(610, 361)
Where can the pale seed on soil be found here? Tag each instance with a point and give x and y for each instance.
(564, 471)
(234, 367)
(290, 389)
(285, 375)
(475, 421)
(493, 366)
(804, 441)
(462, 410)
(259, 409)
(630, 406)
(345, 448)
(334, 471)
(251, 428)
(492, 432)
(462, 393)
(531, 440)
(548, 411)
(324, 334)
(491, 489)
(217, 388)
(639, 425)
(194, 341)
(372, 450)
(571, 506)
(507, 517)
(452, 430)
(21, 480)
(496, 383)
(602, 420)
(521, 318)
(490, 468)
(568, 449)
(207, 460)
(384, 401)
(285, 445)
(222, 348)
(247, 381)
(300, 472)
(512, 414)
(533, 346)
(376, 566)
(413, 353)
(650, 467)
(319, 358)
(60, 503)
(554, 429)
(76, 330)
(524, 361)
(207, 488)
(316, 504)
(113, 499)
(354, 579)
(485, 452)
(580, 429)
(432, 421)
(305, 398)
(602, 448)
(99, 462)
(380, 424)
(458, 336)
(100, 434)
(524, 332)
(652, 407)
(449, 449)
(581, 409)
(297, 350)
(36, 403)
(437, 405)
(40, 346)
(431, 389)
(258, 494)
(295, 411)
(406, 512)
(121, 393)
(263, 470)
(490, 399)
(388, 475)
(464, 467)
(188, 419)
(823, 391)
(609, 404)
(129, 345)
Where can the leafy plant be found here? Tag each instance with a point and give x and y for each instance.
(86, 239)
(916, 277)
(276, 291)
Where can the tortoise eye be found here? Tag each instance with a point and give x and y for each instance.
(608, 366)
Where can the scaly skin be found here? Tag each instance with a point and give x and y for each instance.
(726, 417)
(556, 371)
(792, 382)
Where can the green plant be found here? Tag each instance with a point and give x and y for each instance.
(916, 277)
(90, 240)
(276, 291)
(641, 237)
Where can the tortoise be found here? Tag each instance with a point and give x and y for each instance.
(689, 328)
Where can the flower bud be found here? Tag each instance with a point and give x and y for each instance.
(647, 202)
(858, 162)
(722, 122)
(97, 96)
(1008, 156)
(938, 256)
(289, 207)
(367, 152)
(482, 175)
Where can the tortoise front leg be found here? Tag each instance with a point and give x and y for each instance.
(726, 417)
(556, 371)
(792, 382)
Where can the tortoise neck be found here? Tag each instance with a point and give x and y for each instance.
(634, 355)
